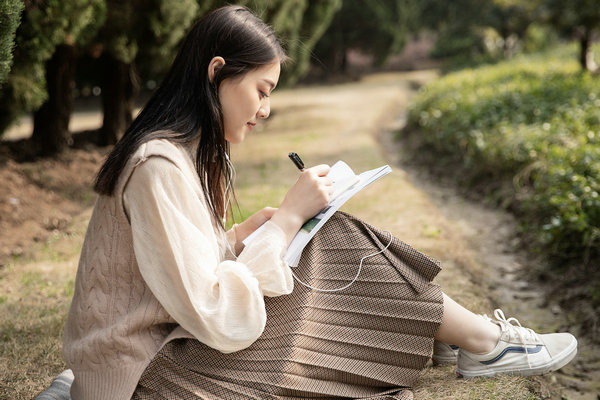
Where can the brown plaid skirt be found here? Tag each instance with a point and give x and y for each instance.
(369, 341)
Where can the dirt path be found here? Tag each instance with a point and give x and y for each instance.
(349, 121)
(502, 264)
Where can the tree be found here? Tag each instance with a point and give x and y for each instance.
(511, 18)
(24, 89)
(144, 32)
(579, 18)
(80, 20)
(378, 28)
(458, 24)
(10, 16)
(299, 23)
(44, 42)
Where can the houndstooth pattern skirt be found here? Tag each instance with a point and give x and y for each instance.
(369, 341)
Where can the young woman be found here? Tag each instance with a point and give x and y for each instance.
(169, 305)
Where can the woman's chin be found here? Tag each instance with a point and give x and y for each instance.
(236, 138)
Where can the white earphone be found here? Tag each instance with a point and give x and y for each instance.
(355, 277)
(230, 182)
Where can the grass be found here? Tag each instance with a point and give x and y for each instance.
(36, 294)
(32, 314)
(322, 125)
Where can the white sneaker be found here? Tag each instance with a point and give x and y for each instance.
(520, 351)
(444, 354)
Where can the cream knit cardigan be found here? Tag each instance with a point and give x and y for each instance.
(154, 268)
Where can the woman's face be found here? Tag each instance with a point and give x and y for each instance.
(245, 99)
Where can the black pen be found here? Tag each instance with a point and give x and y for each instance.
(296, 160)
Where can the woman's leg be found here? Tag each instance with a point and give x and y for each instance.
(467, 330)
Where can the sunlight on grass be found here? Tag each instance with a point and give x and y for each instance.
(36, 294)
(32, 315)
(441, 383)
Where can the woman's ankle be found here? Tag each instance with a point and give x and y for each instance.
(486, 342)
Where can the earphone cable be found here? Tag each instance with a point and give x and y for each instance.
(355, 277)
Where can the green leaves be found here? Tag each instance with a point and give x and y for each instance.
(534, 121)
(44, 26)
(10, 12)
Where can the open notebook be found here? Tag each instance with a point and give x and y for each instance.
(345, 185)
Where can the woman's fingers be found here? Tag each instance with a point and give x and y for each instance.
(309, 195)
(312, 191)
(317, 177)
(260, 217)
(319, 170)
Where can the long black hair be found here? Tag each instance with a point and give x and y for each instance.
(187, 104)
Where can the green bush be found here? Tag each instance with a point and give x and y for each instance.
(533, 122)
(10, 12)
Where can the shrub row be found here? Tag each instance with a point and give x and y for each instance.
(533, 122)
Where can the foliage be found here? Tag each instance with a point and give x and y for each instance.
(572, 16)
(311, 23)
(44, 25)
(473, 28)
(10, 15)
(147, 32)
(459, 25)
(299, 23)
(579, 18)
(511, 19)
(378, 28)
(539, 37)
(534, 121)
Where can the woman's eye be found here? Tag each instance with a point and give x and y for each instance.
(263, 94)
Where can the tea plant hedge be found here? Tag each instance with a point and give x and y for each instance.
(532, 122)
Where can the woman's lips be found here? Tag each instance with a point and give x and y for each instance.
(250, 125)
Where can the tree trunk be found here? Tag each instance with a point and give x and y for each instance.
(51, 121)
(119, 89)
(584, 48)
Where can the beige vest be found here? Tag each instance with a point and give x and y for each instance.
(115, 324)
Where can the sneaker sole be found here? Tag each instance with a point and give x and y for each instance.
(439, 361)
(554, 365)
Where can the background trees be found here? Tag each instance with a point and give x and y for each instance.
(77, 21)
(10, 12)
(459, 25)
(301, 24)
(43, 66)
(119, 45)
(379, 28)
(578, 18)
(141, 33)
(511, 19)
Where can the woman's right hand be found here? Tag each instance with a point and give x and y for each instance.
(309, 195)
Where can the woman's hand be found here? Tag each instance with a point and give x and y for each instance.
(252, 223)
(309, 195)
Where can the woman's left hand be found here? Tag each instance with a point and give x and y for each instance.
(252, 223)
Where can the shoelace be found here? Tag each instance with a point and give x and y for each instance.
(515, 329)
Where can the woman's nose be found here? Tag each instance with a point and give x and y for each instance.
(264, 111)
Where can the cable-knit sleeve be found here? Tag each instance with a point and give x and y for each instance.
(219, 301)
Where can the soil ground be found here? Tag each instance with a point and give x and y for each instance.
(45, 204)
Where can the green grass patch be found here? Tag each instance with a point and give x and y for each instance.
(35, 296)
(527, 132)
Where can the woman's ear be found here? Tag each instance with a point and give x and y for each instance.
(215, 64)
